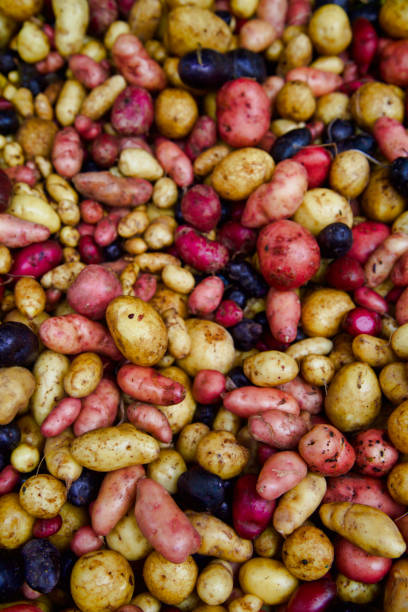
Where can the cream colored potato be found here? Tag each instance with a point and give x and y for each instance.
(179, 341)
(73, 518)
(323, 311)
(308, 553)
(101, 580)
(155, 262)
(16, 524)
(176, 112)
(398, 427)
(7, 28)
(309, 346)
(30, 431)
(329, 63)
(17, 386)
(189, 438)
(270, 368)
(179, 415)
(139, 163)
(335, 105)
(25, 458)
(102, 97)
(219, 453)
(207, 160)
(190, 26)
(322, 206)
(226, 421)
(372, 350)
(59, 189)
(357, 592)
(295, 101)
(69, 102)
(399, 341)
(146, 602)
(268, 543)
(393, 381)
(49, 371)
(29, 296)
(137, 329)
(135, 222)
(212, 348)
(58, 458)
(165, 192)
(268, 579)
(32, 43)
(381, 201)
(329, 29)
(71, 22)
(112, 448)
(298, 52)
(342, 352)
(374, 100)
(401, 223)
(127, 539)
(215, 583)
(238, 174)
(34, 209)
(178, 279)
(349, 173)
(397, 483)
(61, 277)
(42, 496)
(219, 539)
(169, 582)
(298, 504)
(84, 375)
(317, 370)
(353, 398)
(167, 469)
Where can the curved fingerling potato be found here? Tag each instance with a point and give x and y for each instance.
(219, 539)
(295, 506)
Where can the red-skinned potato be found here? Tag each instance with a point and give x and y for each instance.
(113, 190)
(313, 596)
(319, 81)
(87, 71)
(174, 162)
(36, 259)
(364, 45)
(326, 450)
(15, 232)
(394, 63)
(246, 401)
(309, 397)
(280, 473)
(148, 418)
(202, 136)
(251, 513)
(201, 207)
(367, 236)
(375, 456)
(147, 385)
(67, 152)
(391, 137)
(99, 408)
(206, 296)
(279, 429)
(283, 313)
(61, 416)
(198, 251)
(381, 261)
(316, 161)
(274, 12)
(92, 290)
(132, 60)
(132, 112)
(208, 386)
(85, 540)
(356, 564)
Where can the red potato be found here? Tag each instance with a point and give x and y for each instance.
(208, 386)
(52, 63)
(163, 524)
(278, 199)
(313, 596)
(44, 528)
(279, 429)
(91, 211)
(116, 266)
(299, 12)
(89, 251)
(134, 63)
(129, 608)
(36, 259)
(283, 313)
(288, 254)
(73, 333)
(105, 231)
(309, 397)
(319, 81)
(251, 513)
(174, 162)
(317, 162)
(201, 207)
(105, 150)
(280, 473)
(101, 14)
(198, 251)
(145, 287)
(113, 190)
(61, 416)
(267, 140)
(357, 564)
(368, 298)
(228, 313)
(399, 273)
(316, 129)
(243, 112)
(274, 12)
(9, 478)
(237, 238)
(86, 128)
(391, 137)
(394, 63)
(147, 385)
(246, 401)
(401, 308)
(99, 409)
(326, 451)
(87, 71)
(367, 236)
(375, 456)
(85, 540)
(148, 418)
(202, 136)
(206, 296)
(67, 152)
(22, 174)
(362, 490)
(133, 112)
(15, 232)
(381, 261)
(92, 290)
(116, 495)
(364, 44)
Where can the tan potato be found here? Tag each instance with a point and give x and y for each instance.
(73, 518)
(317, 370)
(295, 506)
(219, 539)
(7, 28)
(167, 469)
(212, 348)
(329, 63)
(226, 421)
(270, 368)
(396, 588)
(295, 101)
(268, 579)
(176, 112)
(188, 439)
(372, 350)
(342, 352)
(85, 374)
(179, 342)
(139, 163)
(101, 98)
(357, 592)
(58, 458)
(349, 173)
(322, 206)
(16, 524)
(238, 174)
(219, 453)
(144, 18)
(309, 346)
(69, 102)
(34, 209)
(268, 543)
(112, 448)
(308, 553)
(398, 427)
(25, 458)
(393, 381)
(36, 136)
(215, 583)
(20, 10)
(399, 342)
(374, 100)
(101, 580)
(17, 386)
(298, 52)
(30, 431)
(190, 26)
(397, 483)
(381, 201)
(32, 43)
(127, 539)
(394, 21)
(42, 496)
(179, 415)
(71, 22)
(146, 602)
(207, 160)
(335, 105)
(353, 398)
(323, 311)
(329, 29)
(49, 371)
(169, 582)
(178, 279)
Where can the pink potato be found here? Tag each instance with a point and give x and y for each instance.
(99, 409)
(174, 162)
(85, 540)
(399, 273)
(228, 313)
(134, 142)
(67, 152)
(283, 313)
(251, 513)
(288, 254)
(113, 190)
(145, 287)
(105, 150)
(149, 418)
(272, 86)
(52, 63)
(316, 161)
(237, 238)
(105, 231)
(147, 385)
(132, 112)
(163, 523)
(73, 333)
(91, 211)
(208, 386)
(381, 261)
(9, 477)
(273, 11)
(375, 456)
(319, 81)
(22, 174)
(391, 137)
(325, 450)
(206, 296)
(243, 112)
(368, 298)
(134, 63)
(279, 429)
(394, 63)
(278, 199)
(299, 12)
(364, 45)
(116, 495)
(15, 232)
(401, 308)
(92, 290)
(201, 253)
(36, 259)
(246, 401)
(101, 14)
(280, 473)
(356, 564)
(309, 397)
(314, 596)
(201, 207)
(87, 71)
(367, 236)
(86, 128)
(61, 416)
(202, 136)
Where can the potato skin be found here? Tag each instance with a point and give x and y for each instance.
(396, 588)
(397, 427)
(268, 579)
(170, 582)
(240, 172)
(270, 368)
(15, 523)
(219, 453)
(326, 450)
(308, 553)
(212, 348)
(42, 496)
(190, 26)
(17, 386)
(92, 290)
(295, 506)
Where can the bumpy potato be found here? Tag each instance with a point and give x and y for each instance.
(398, 427)
(393, 380)
(238, 174)
(270, 368)
(268, 579)
(349, 173)
(43, 496)
(20, 10)
(308, 553)
(170, 582)
(190, 26)
(17, 386)
(396, 589)
(212, 348)
(179, 415)
(73, 518)
(295, 506)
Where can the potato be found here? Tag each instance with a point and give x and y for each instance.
(268, 543)
(399, 341)
(397, 483)
(25, 457)
(381, 201)
(167, 468)
(212, 348)
(42, 496)
(101, 580)
(393, 381)
(376, 352)
(268, 579)
(35, 209)
(394, 19)
(215, 583)
(190, 26)
(295, 101)
(330, 106)
(21, 10)
(73, 518)
(175, 113)
(144, 18)
(238, 174)
(15, 523)
(188, 439)
(17, 385)
(85, 374)
(329, 30)
(354, 397)
(170, 582)
(180, 413)
(349, 173)
(295, 506)
(270, 368)
(58, 458)
(323, 311)
(317, 370)
(30, 431)
(127, 539)
(71, 23)
(396, 588)
(374, 100)
(49, 371)
(356, 592)
(137, 329)
(218, 452)
(112, 448)
(308, 553)
(322, 206)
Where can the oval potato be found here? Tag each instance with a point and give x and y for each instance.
(270, 368)
(238, 174)
(268, 579)
(212, 348)
(190, 26)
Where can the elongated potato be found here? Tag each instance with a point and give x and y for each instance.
(17, 386)
(396, 588)
(70, 26)
(270, 368)
(219, 539)
(295, 507)
(190, 26)
(112, 448)
(49, 371)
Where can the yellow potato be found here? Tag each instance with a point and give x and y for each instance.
(179, 415)
(317, 370)
(394, 20)
(399, 342)
(215, 583)
(356, 592)
(309, 346)
(349, 173)
(295, 506)
(397, 483)
(374, 100)
(240, 172)
(212, 348)
(42, 496)
(189, 438)
(189, 27)
(226, 421)
(167, 469)
(268, 543)
(372, 350)
(15, 523)
(85, 374)
(398, 427)
(20, 10)
(295, 101)
(270, 368)
(30, 431)
(17, 386)
(127, 539)
(218, 452)
(30, 297)
(381, 201)
(71, 22)
(393, 380)
(329, 29)
(176, 112)
(322, 206)
(144, 18)
(219, 539)
(73, 517)
(268, 579)
(334, 105)
(49, 371)
(58, 458)
(323, 311)
(396, 588)
(308, 553)
(169, 582)
(34, 209)
(25, 457)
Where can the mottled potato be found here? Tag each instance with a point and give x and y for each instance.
(373, 100)
(399, 341)
(212, 348)
(219, 453)
(219, 539)
(30, 431)
(137, 329)
(20, 10)
(190, 26)
(179, 415)
(268, 579)
(189, 438)
(17, 386)
(25, 458)
(372, 350)
(322, 206)
(175, 112)
(30, 297)
(167, 468)
(84, 375)
(317, 370)
(397, 483)
(169, 582)
(398, 427)
(393, 380)
(308, 553)
(15, 523)
(356, 592)
(381, 201)
(42, 496)
(238, 174)
(295, 101)
(101, 580)
(354, 397)
(323, 311)
(70, 25)
(349, 173)
(36, 136)
(309, 346)
(270, 368)
(127, 539)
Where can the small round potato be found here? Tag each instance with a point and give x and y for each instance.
(17, 386)
(398, 427)
(189, 438)
(381, 201)
(397, 483)
(295, 101)
(191, 26)
(322, 206)
(270, 368)
(374, 100)
(219, 453)
(212, 348)
(268, 543)
(25, 458)
(335, 105)
(167, 468)
(16, 524)
(238, 174)
(356, 592)
(215, 583)
(323, 311)
(85, 374)
(329, 30)
(175, 113)
(43, 496)
(268, 579)
(372, 350)
(317, 370)
(393, 380)
(169, 582)
(394, 18)
(308, 553)
(127, 539)
(349, 173)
